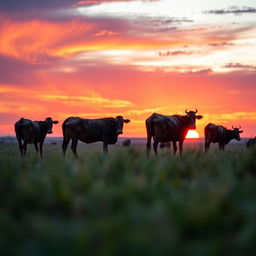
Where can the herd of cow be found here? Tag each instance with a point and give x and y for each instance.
(162, 128)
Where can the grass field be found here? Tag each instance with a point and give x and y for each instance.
(125, 204)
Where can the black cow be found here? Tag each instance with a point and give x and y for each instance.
(165, 145)
(251, 143)
(32, 132)
(127, 143)
(91, 130)
(219, 134)
(169, 129)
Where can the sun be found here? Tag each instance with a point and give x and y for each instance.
(192, 134)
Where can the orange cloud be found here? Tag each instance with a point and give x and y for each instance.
(36, 40)
(88, 100)
(106, 33)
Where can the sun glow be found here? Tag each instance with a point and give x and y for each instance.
(192, 134)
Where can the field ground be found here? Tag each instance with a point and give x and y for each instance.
(125, 204)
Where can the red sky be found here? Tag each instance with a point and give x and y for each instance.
(105, 58)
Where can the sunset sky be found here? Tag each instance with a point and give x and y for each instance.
(99, 58)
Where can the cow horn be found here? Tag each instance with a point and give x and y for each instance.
(186, 111)
(233, 127)
(196, 110)
(239, 127)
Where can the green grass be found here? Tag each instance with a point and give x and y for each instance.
(125, 204)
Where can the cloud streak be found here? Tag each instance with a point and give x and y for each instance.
(233, 10)
(240, 66)
(174, 53)
(221, 44)
(87, 100)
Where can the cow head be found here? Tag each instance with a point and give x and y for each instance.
(236, 133)
(47, 123)
(120, 122)
(190, 119)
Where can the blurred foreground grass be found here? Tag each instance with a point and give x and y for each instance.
(125, 204)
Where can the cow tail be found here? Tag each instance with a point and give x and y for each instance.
(150, 128)
(17, 127)
(64, 129)
(206, 132)
(150, 133)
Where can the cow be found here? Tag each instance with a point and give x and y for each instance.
(221, 135)
(91, 130)
(165, 145)
(251, 143)
(127, 143)
(169, 129)
(32, 132)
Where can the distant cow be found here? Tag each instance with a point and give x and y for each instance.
(251, 143)
(169, 129)
(127, 143)
(165, 145)
(91, 130)
(219, 134)
(32, 132)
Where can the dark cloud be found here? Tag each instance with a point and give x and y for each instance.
(96, 2)
(164, 21)
(203, 71)
(174, 53)
(161, 24)
(233, 10)
(36, 9)
(221, 44)
(24, 5)
(239, 66)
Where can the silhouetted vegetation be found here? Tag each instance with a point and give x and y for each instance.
(122, 203)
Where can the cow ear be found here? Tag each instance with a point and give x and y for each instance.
(199, 117)
(241, 131)
(55, 122)
(126, 120)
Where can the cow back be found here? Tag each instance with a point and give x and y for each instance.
(167, 128)
(91, 130)
(79, 128)
(27, 130)
(215, 133)
(251, 142)
(159, 128)
(104, 129)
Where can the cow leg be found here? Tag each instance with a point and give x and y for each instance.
(174, 147)
(207, 145)
(41, 148)
(74, 146)
(25, 148)
(221, 146)
(105, 147)
(155, 145)
(65, 145)
(20, 146)
(180, 146)
(148, 145)
(36, 147)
